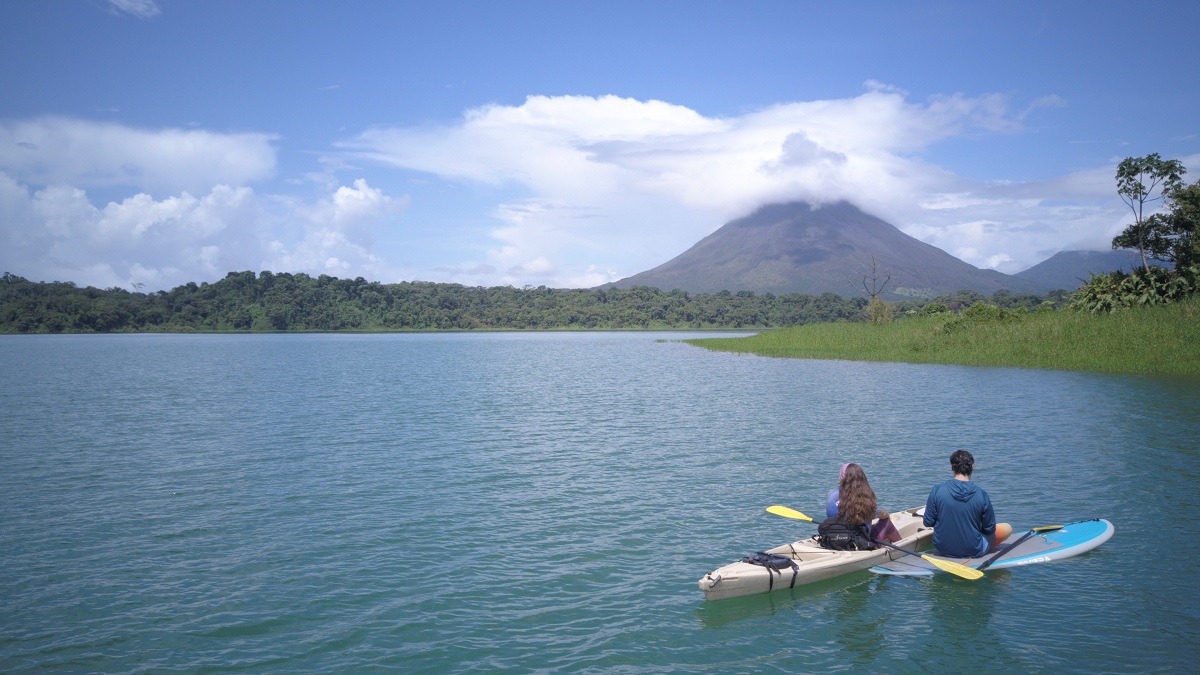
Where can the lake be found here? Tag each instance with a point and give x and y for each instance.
(545, 502)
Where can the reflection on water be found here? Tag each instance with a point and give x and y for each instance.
(860, 626)
(804, 601)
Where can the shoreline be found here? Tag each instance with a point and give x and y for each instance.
(1158, 340)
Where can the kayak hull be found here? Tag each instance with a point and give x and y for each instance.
(813, 563)
(1068, 542)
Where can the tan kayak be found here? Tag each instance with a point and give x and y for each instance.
(812, 563)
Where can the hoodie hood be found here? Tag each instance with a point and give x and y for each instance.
(963, 490)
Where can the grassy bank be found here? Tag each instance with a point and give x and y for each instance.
(1147, 340)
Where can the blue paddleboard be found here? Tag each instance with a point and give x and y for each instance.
(1071, 540)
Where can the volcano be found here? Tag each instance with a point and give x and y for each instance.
(837, 248)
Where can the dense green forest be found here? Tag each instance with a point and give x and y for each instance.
(243, 301)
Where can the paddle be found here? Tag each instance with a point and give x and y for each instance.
(945, 565)
(950, 566)
(1006, 549)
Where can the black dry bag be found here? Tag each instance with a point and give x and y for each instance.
(832, 533)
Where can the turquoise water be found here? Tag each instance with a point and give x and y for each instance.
(546, 502)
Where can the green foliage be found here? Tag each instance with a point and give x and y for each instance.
(1140, 181)
(983, 312)
(1181, 222)
(1149, 339)
(934, 308)
(964, 300)
(878, 311)
(243, 301)
(1109, 292)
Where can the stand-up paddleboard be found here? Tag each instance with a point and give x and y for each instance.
(1038, 547)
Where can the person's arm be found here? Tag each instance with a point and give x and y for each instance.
(930, 519)
(987, 518)
(831, 503)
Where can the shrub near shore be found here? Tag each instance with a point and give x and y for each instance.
(1162, 339)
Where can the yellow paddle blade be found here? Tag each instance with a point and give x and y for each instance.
(954, 568)
(1047, 528)
(788, 513)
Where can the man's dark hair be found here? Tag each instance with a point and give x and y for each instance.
(962, 462)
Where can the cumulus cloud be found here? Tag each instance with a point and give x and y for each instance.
(338, 238)
(349, 206)
(593, 175)
(58, 233)
(191, 213)
(89, 154)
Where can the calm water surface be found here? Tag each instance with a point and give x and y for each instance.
(546, 502)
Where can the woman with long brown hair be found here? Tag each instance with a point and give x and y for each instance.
(857, 506)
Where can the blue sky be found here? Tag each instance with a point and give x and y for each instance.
(568, 144)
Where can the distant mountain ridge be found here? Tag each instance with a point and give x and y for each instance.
(794, 248)
(1070, 269)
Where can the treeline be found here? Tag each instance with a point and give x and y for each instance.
(243, 301)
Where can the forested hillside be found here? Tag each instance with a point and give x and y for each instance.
(243, 301)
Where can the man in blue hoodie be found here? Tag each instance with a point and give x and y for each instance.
(960, 513)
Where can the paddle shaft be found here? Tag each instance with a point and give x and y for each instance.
(902, 550)
(987, 563)
(1037, 530)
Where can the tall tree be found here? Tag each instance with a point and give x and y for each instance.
(1141, 181)
(1182, 220)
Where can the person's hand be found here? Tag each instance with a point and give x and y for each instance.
(884, 515)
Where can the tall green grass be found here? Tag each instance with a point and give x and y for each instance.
(1146, 340)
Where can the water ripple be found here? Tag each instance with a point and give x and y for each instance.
(546, 502)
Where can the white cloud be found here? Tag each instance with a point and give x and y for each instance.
(1050, 101)
(145, 9)
(191, 214)
(592, 177)
(544, 144)
(57, 233)
(579, 190)
(338, 238)
(88, 154)
(348, 207)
